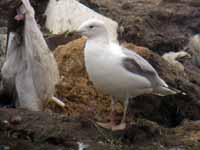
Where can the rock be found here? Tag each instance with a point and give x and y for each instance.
(175, 58)
(8, 10)
(75, 88)
(3, 147)
(42, 130)
(194, 49)
(157, 24)
(9, 4)
(3, 42)
(3, 91)
(55, 40)
(15, 120)
(173, 108)
(59, 17)
(81, 97)
(161, 25)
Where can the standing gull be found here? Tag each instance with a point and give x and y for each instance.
(117, 71)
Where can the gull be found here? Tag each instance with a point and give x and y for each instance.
(174, 58)
(118, 71)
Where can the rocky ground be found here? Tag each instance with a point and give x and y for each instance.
(22, 130)
(163, 123)
(161, 25)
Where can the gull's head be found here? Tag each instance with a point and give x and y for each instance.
(93, 28)
(182, 55)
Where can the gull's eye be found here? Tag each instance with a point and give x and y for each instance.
(91, 26)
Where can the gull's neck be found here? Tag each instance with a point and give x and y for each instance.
(100, 39)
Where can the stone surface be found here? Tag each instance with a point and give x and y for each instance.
(75, 89)
(59, 17)
(80, 96)
(3, 42)
(161, 25)
(8, 11)
(41, 130)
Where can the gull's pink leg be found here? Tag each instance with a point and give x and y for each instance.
(122, 124)
(112, 114)
(110, 124)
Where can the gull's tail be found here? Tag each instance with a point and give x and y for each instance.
(164, 89)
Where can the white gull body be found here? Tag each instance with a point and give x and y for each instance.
(104, 66)
(116, 70)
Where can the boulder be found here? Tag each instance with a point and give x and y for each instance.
(75, 89)
(62, 16)
(169, 110)
(80, 96)
(4, 96)
(21, 130)
(8, 9)
(161, 25)
(3, 42)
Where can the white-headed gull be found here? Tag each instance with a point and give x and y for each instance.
(117, 71)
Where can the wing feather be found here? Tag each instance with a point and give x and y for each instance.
(136, 64)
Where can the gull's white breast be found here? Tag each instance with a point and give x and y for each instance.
(105, 69)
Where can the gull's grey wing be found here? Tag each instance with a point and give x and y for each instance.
(134, 63)
(132, 66)
(138, 65)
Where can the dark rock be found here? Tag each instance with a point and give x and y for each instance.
(159, 25)
(41, 130)
(15, 120)
(55, 40)
(3, 42)
(8, 10)
(3, 147)
(162, 26)
(76, 90)
(169, 110)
